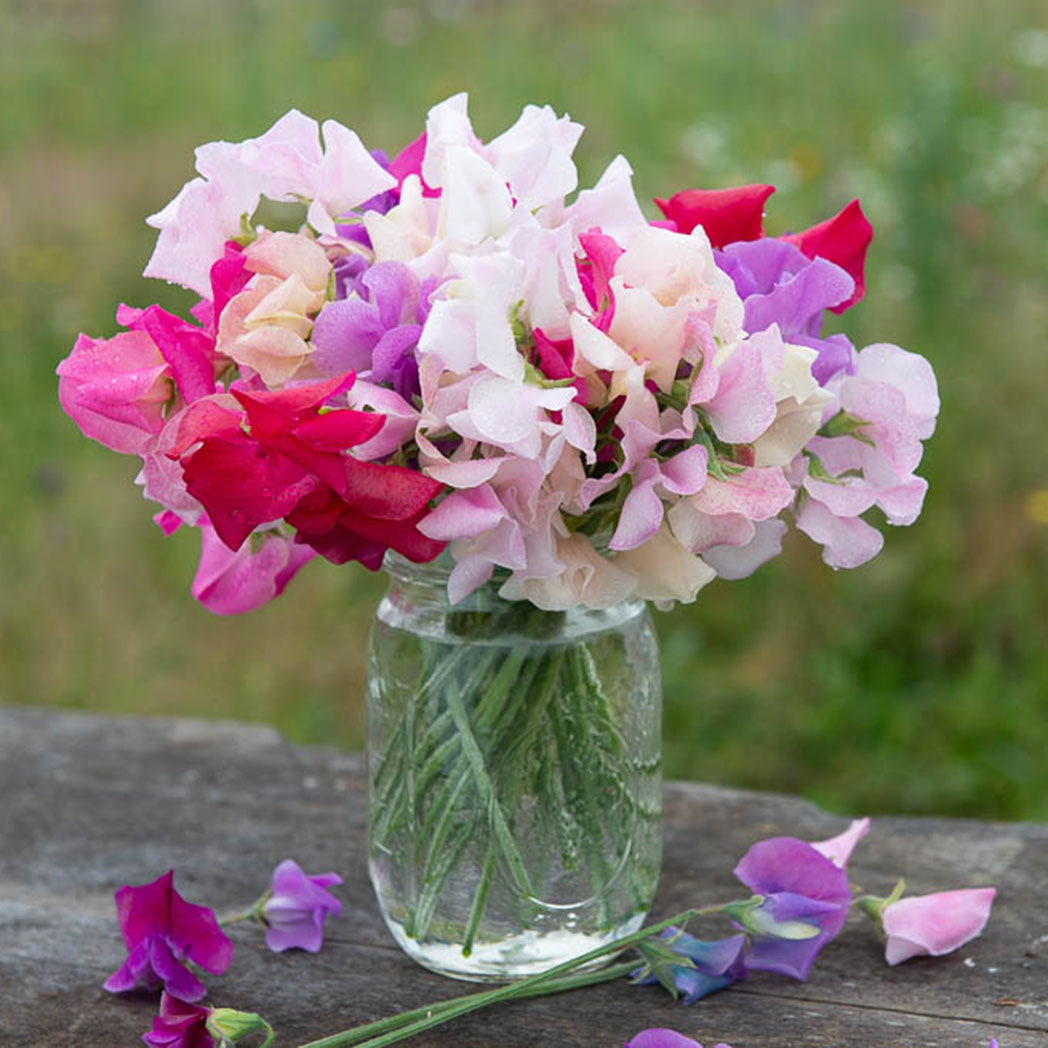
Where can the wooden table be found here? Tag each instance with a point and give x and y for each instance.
(90, 803)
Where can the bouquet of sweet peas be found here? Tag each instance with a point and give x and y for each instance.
(440, 351)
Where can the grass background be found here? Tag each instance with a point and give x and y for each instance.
(918, 683)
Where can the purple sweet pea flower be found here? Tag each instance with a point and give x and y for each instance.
(161, 931)
(179, 1025)
(717, 964)
(297, 908)
(375, 328)
(659, 1037)
(780, 285)
(800, 887)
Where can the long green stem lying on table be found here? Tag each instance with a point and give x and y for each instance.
(563, 977)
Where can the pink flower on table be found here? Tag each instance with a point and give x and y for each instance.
(297, 908)
(839, 849)
(936, 924)
(116, 389)
(180, 1025)
(161, 932)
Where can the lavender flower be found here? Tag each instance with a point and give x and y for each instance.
(297, 907)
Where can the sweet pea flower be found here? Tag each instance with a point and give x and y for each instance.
(230, 582)
(727, 215)
(265, 327)
(180, 1025)
(660, 1037)
(161, 931)
(116, 389)
(839, 849)
(714, 965)
(843, 240)
(801, 888)
(297, 907)
(286, 162)
(929, 925)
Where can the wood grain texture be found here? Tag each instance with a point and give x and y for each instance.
(90, 803)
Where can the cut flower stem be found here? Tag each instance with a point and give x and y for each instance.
(560, 978)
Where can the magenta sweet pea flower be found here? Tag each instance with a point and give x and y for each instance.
(162, 931)
(179, 1025)
(659, 1037)
(296, 909)
(936, 924)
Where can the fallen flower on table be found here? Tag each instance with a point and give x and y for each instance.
(659, 1037)
(928, 925)
(162, 931)
(299, 905)
(690, 966)
(293, 908)
(183, 1025)
(800, 901)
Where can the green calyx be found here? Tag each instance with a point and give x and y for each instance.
(230, 1026)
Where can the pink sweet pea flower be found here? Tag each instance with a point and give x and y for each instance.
(230, 582)
(838, 849)
(115, 389)
(296, 910)
(161, 932)
(934, 924)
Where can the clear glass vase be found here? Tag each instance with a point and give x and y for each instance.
(515, 775)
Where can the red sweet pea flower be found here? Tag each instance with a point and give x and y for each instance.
(161, 931)
(727, 215)
(842, 240)
(289, 464)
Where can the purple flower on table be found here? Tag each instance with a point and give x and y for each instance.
(659, 1037)
(803, 891)
(161, 932)
(179, 1025)
(714, 965)
(780, 285)
(297, 907)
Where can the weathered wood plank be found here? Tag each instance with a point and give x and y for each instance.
(89, 803)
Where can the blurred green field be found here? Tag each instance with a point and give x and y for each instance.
(918, 683)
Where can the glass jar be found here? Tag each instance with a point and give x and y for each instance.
(515, 775)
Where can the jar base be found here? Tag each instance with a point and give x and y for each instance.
(517, 957)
